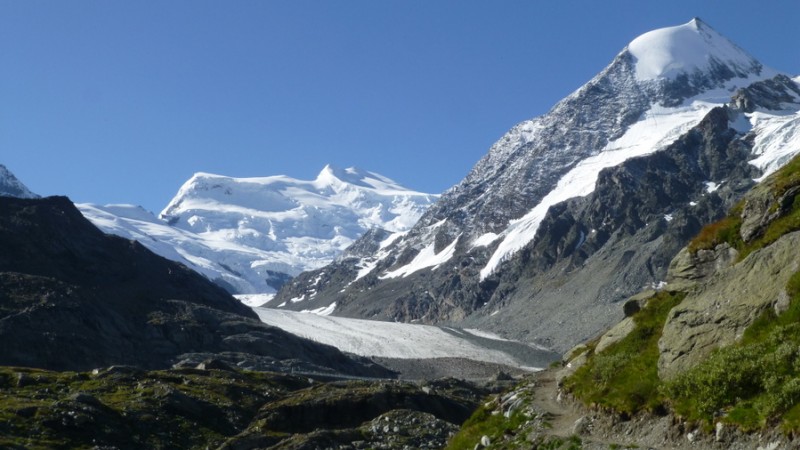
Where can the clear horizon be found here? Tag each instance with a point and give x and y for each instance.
(112, 102)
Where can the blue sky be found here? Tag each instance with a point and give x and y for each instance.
(114, 101)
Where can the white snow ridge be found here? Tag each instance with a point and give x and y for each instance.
(694, 46)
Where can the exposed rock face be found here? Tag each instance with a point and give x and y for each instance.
(771, 94)
(717, 312)
(74, 298)
(725, 295)
(691, 267)
(615, 334)
(763, 206)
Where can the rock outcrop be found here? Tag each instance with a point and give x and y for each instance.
(716, 312)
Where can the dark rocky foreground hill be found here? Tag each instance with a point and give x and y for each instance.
(216, 407)
(73, 298)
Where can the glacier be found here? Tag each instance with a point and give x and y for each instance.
(252, 234)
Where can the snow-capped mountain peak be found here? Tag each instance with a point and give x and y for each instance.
(688, 48)
(355, 178)
(253, 234)
(11, 186)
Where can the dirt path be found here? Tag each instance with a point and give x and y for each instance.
(561, 417)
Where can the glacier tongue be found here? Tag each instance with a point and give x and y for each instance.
(253, 234)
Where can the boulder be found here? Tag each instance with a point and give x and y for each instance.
(690, 267)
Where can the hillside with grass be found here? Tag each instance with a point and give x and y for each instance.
(711, 359)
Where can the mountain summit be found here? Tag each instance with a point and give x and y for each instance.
(570, 213)
(10, 186)
(685, 50)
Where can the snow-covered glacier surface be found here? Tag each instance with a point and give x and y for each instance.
(401, 340)
(777, 135)
(252, 234)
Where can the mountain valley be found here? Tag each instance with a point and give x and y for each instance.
(619, 272)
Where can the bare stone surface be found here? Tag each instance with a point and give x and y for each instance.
(718, 311)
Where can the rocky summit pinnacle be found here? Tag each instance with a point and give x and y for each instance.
(10, 186)
(571, 212)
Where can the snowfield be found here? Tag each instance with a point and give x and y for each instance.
(373, 338)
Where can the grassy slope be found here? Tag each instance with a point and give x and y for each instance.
(624, 377)
(753, 383)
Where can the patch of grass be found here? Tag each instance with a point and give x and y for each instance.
(624, 377)
(753, 382)
(723, 231)
(484, 423)
(728, 229)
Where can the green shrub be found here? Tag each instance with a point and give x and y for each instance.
(484, 423)
(726, 230)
